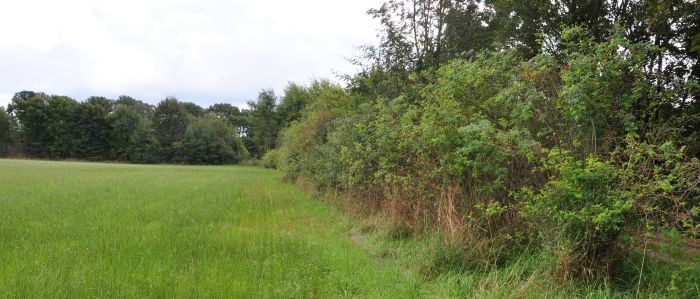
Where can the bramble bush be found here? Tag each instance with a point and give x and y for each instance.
(580, 213)
(586, 206)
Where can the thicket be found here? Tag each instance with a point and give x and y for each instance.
(580, 144)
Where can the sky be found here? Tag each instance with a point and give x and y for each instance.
(203, 51)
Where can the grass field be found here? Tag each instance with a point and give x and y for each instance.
(78, 230)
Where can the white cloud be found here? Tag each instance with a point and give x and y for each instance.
(204, 51)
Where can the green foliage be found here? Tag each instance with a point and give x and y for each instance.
(123, 130)
(231, 115)
(581, 199)
(573, 153)
(124, 122)
(194, 109)
(143, 146)
(132, 139)
(664, 184)
(301, 142)
(296, 98)
(209, 140)
(145, 110)
(569, 126)
(5, 137)
(170, 120)
(46, 123)
(264, 122)
(270, 159)
(92, 129)
(581, 213)
(589, 204)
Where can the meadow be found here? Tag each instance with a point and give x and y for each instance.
(79, 230)
(97, 230)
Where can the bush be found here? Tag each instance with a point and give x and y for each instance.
(581, 213)
(663, 183)
(269, 160)
(586, 206)
(302, 152)
(499, 150)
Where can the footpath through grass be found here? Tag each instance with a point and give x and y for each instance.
(78, 230)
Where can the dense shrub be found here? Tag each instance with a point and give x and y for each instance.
(581, 213)
(302, 152)
(498, 151)
(587, 205)
(269, 160)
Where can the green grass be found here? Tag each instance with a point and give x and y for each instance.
(77, 230)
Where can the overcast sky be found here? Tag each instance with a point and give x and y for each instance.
(204, 51)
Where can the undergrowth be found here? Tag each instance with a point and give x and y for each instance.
(466, 270)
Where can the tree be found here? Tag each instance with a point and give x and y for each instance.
(92, 129)
(4, 133)
(143, 145)
(231, 115)
(465, 31)
(194, 109)
(518, 24)
(61, 111)
(124, 122)
(264, 122)
(142, 108)
(44, 123)
(170, 119)
(295, 98)
(30, 111)
(418, 35)
(209, 140)
(412, 36)
(132, 137)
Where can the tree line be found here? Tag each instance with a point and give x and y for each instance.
(42, 126)
(567, 127)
